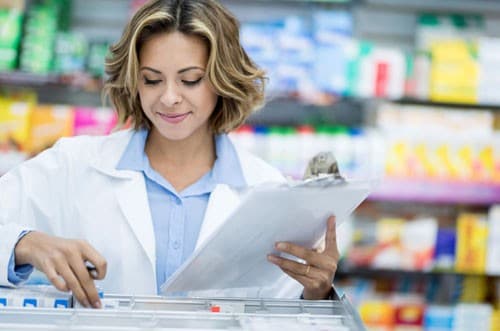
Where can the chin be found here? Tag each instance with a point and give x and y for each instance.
(178, 132)
(176, 136)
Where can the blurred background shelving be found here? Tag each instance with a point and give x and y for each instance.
(405, 92)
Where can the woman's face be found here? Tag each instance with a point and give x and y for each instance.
(176, 96)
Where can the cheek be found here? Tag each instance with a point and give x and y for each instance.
(145, 99)
(210, 98)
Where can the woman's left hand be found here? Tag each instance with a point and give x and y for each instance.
(316, 275)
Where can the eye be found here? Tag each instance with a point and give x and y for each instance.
(191, 82)
(151, 81)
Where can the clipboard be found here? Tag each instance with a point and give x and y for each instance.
(235, 255)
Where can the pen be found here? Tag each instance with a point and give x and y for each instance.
(91, 269)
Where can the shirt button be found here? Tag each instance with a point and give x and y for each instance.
(176, 244)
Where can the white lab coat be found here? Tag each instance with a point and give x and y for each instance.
(73, 190)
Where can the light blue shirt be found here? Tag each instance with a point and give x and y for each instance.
(20, 273)
(177, 216)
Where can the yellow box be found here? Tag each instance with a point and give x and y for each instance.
(14, 122)
(48, 124)
(471, 245)
(454, 72)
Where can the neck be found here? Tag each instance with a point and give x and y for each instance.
(181, 162)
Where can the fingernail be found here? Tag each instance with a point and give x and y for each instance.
(85, 303)
(97, 304)
(281, 246)
(271, 258)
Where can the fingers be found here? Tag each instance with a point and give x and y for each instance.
(86, 283)
(317, 283)
(73, 276)
(73, 283)
(54, 278)
(303, 280)
(312, 257)
(331, 248)
(317, 274)
(63, 261)
(293, 266)
(326, 259)
(90, 254)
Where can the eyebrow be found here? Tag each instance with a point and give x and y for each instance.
(180, 71)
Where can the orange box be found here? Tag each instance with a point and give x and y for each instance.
(377, 315)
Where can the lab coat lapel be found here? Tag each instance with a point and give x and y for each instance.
(223, 201)
(133, 202)
(129, 188)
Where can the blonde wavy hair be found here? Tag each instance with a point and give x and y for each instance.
(236, 79)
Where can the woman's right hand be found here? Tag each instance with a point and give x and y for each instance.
(63, 262)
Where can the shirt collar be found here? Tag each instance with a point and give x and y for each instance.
(226, 170)
(134, 157)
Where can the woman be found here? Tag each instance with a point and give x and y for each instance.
(136, 203)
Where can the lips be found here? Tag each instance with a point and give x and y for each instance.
(174, 118)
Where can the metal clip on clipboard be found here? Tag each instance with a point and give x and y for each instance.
(323, 171)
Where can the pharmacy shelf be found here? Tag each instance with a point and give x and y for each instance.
(349, 271)
(290, 112)
(430, 103)
(80, 81)
(407, 190)
(19, 78)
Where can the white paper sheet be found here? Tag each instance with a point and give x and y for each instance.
(235, 256)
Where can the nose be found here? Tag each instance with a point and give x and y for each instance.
(171, 96)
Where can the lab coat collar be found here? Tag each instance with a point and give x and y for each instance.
(108, 154)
